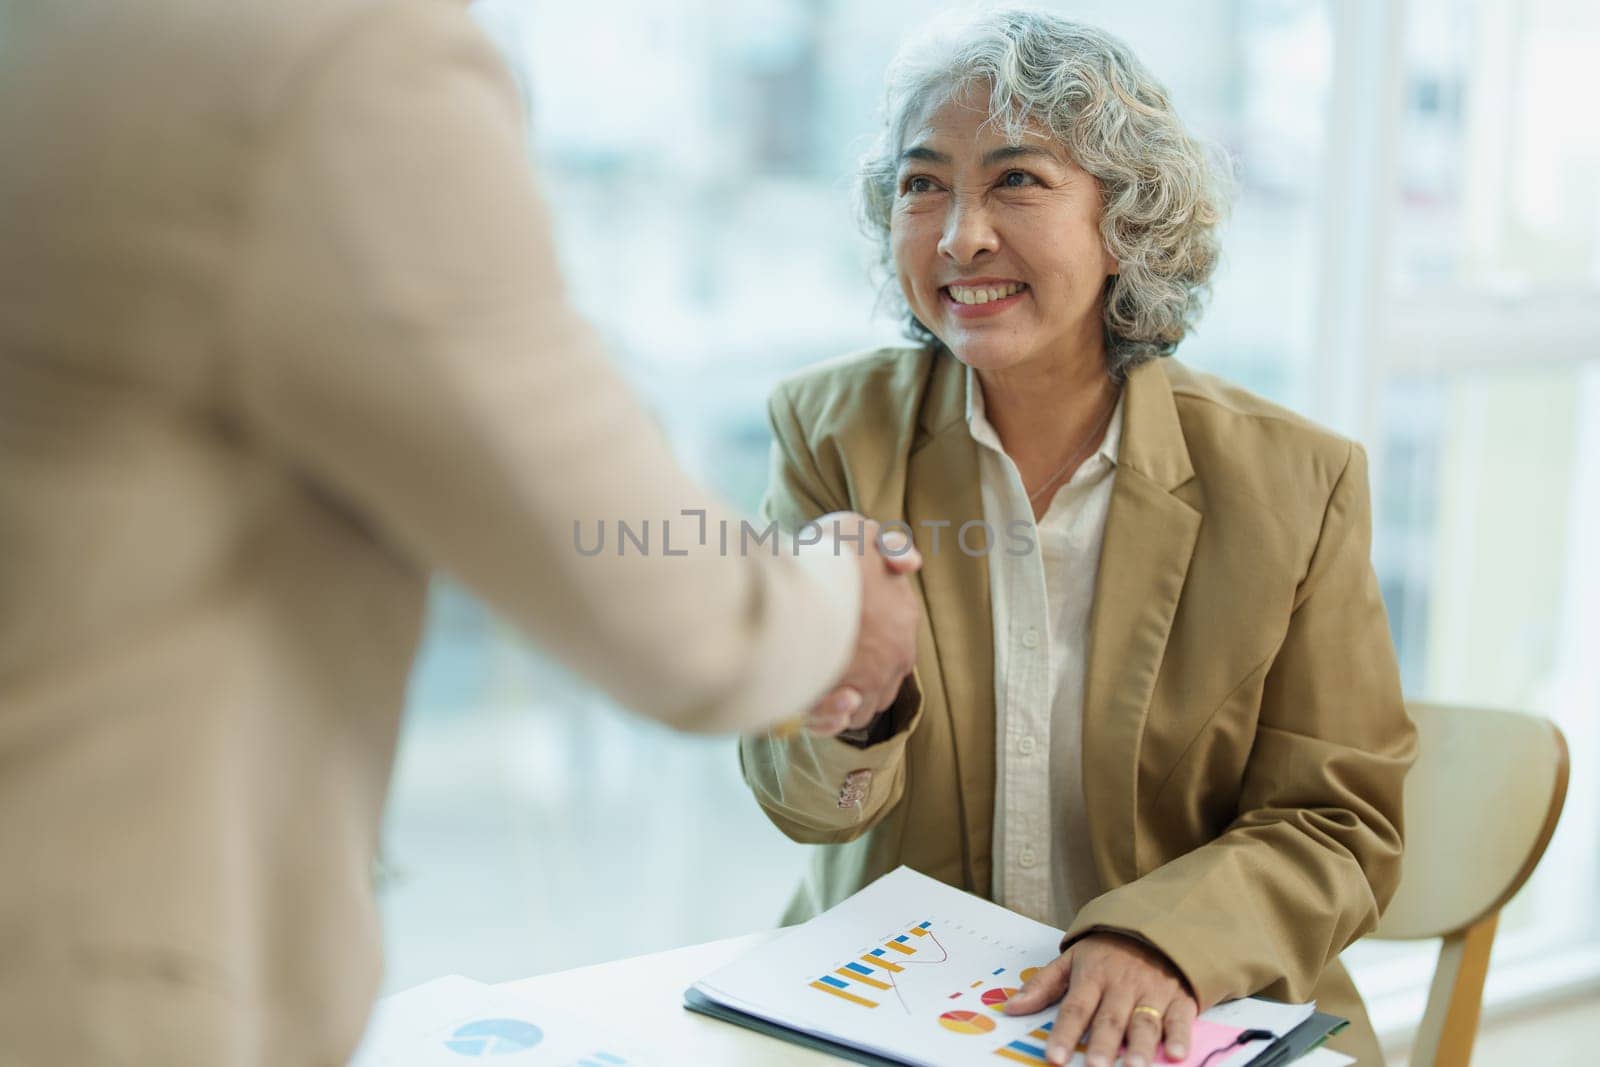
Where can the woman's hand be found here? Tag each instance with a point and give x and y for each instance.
(856, 700)
(1117, 990)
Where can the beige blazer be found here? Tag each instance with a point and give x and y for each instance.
(1244, 741)
(280, 334)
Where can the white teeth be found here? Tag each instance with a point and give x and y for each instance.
(964, 294)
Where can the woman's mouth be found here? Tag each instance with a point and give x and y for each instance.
(969, 301)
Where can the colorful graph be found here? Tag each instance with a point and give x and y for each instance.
(829, 984)
(1029, 1049)
(859, 972)
(494, 1037)
(996, 998)
(1027, 973)
(862, 981)
(966, 1022)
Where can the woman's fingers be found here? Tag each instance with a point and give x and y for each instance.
(871, 707)
(1072, 1019)
(899, 553)
(1110, 1026)
(1145, 1022)
(833, 712)
(849, 708)
(1179, 1023)
(1044, 988)
(1121, 997)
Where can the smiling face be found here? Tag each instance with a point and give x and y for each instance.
(997, 244)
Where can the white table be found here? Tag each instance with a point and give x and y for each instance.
(652, 989)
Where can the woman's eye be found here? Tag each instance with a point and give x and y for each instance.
(1016, 179)
(919, 185)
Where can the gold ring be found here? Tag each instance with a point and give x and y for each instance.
(1145, 1009)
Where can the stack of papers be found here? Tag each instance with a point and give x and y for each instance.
(451, 1022)
(916, 972)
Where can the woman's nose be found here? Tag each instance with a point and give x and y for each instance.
(968, 231)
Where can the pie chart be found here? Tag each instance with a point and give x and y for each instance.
(997, 997)
(966, 1022)
(494, 1037)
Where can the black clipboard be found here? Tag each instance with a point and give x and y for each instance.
(1286, 1049)
(1301, 1040)
(697, 1001)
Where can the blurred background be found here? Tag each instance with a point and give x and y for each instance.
(1414, 259)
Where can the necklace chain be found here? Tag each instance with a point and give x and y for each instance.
(1077, 456)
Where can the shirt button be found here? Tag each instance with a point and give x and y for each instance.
(1028, 857)
(1030, 638)
(1026, 746)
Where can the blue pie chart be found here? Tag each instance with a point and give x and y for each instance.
(494, 1037)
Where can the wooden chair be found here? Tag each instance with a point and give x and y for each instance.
(1481, 805)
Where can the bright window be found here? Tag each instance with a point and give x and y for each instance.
(1485, 335)
(1412, 258)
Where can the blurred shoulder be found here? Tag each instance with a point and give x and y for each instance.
(1246, 446)
(206, 82)
(1258, 463)
(260, 59)
(392, 42)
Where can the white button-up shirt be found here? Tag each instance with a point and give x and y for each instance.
(1043, 865)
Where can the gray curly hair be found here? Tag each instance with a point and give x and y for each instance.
(1163, 192)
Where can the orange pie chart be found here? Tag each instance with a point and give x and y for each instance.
(997, 996)
(966, 1022)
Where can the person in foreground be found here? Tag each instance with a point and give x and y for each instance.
(281, 334)
(1156, 701)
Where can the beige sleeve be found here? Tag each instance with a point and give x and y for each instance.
(1313, 853)
(401, 336)
(822, 790)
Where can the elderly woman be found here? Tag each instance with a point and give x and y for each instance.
(1156, 700)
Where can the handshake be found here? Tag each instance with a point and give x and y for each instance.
(886, 636)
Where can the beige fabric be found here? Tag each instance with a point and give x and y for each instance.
(1244, 737)
(1039, 600)
(280, 333)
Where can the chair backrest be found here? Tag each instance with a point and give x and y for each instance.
(1481, 804)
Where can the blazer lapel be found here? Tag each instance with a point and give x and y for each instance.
(942, 487)
(1149, 538)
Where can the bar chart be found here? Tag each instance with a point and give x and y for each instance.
(1029, 1048)
(863, 980)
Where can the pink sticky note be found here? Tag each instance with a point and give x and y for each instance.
(1204, 1039)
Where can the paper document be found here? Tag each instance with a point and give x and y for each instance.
(915, 971)
(453, 1022)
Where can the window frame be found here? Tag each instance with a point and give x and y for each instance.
(1371, 333)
